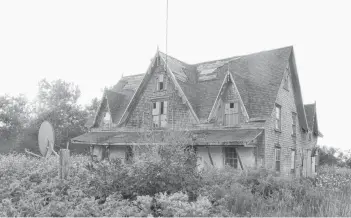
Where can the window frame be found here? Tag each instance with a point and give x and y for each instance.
(161, 112)
(160, 83)
(278, 121)
(232, 161)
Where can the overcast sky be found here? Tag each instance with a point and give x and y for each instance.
(92, 43)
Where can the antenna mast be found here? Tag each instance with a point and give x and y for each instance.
(166, 34)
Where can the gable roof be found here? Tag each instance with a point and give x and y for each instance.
(257, 77)
(119, 96)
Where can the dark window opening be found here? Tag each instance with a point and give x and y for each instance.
(161, 85)
(154, 105)
(231, 157)
(231, 105)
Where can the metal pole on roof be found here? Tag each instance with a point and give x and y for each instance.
(166, 34)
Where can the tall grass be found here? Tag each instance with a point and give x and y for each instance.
(30, 187)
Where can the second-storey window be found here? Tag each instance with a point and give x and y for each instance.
(231, 114)
(278, 111)
(294, 123)
(159, 114)
(231, 157)
(160, 82)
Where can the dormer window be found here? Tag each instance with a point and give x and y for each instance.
(231, 114)
(160, 83)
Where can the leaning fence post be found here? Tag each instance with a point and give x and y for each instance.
(64, 163)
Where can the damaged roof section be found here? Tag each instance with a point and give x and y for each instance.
(257, 77)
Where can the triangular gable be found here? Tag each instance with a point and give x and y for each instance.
(228, 78)
(144, 82)
(180, 90)
(133, 100)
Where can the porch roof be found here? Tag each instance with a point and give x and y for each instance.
(227, 137)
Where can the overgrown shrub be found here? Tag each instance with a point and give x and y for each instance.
(30, 187)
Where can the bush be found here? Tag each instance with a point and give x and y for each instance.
(158, 186)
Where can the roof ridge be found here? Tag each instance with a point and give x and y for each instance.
(231, 57)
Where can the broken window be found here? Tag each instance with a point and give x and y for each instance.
(160, 83)
(159, 114)
(231, 157)
(294, 123)
(278, 117)
(231, 112)
(277, 159)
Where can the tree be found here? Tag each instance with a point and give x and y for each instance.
(57, 103)
(13, 116)
(92, 107)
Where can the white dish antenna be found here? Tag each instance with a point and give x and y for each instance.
(46, 140)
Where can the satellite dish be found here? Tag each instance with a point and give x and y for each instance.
(46, 139)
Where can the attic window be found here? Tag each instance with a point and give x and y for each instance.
(160, 83)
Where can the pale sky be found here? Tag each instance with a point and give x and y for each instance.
(92, 43)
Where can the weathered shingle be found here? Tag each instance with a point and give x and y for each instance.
(257, 77)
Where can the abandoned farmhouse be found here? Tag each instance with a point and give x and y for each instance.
(245, 111)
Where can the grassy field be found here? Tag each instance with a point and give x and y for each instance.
(30, 187)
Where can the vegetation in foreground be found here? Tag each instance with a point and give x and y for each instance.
(163, 185)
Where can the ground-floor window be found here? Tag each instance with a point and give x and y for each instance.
(231, 157)
(129, 154)
(277, 159)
